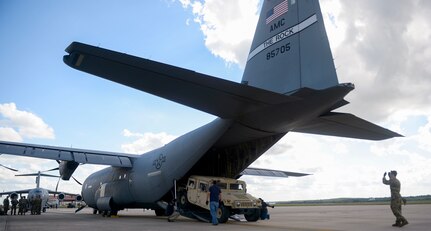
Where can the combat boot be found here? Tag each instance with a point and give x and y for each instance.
(397, 223)
(405, 222)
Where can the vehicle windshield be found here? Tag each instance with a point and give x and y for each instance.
(236, 187)
(222, 185)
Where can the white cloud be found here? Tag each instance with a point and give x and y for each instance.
(18, 124)
(335, 28)
(385, 52)
(228, 26)
(145, 142)
(9, 134)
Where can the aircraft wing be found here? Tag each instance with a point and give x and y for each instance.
(67, 154)
(346, 125)
(17, 192)
(271, 172)
(65, 193)
(223, 98)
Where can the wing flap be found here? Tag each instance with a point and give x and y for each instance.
(216, 96)
(67, 154)
(346, 125)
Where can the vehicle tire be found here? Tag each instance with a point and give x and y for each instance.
(182, 199)
(95, 211)
(252, 215)
(223, 214)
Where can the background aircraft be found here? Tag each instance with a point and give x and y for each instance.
(289, 84)
(38, 191)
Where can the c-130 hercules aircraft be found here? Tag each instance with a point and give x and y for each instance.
(289, 84)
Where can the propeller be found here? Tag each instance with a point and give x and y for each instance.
(80, 208)
(76, 180)
(59, 177)
(12, 169)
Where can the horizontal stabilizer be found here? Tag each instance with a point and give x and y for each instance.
(223, 98)
(37, 174)
(67, 154)
(346, 125)
(270, 172)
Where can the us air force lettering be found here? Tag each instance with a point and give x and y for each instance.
(290, 85)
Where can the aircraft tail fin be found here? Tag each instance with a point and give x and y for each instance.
(290, 49)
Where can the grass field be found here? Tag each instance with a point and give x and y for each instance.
(354, 201)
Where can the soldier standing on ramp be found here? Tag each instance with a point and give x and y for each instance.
(396, 199)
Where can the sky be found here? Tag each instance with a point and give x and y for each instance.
(381, 46)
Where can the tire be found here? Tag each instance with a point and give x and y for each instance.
(182, 199)
(252, 215)
(95, 211)
(113, 213)
(223, 214)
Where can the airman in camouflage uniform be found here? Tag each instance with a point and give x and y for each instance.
(38, 205)
(6, 205)
(396, 198)
(22, 204)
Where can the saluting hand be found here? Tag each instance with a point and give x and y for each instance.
(384, 175)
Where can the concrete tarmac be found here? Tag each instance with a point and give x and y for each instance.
(295, 218)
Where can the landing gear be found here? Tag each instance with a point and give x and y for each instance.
(159, 212)
(109, 213)
(113, 213)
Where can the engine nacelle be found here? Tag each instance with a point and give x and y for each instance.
(104, 203)
(78, 198)
(61, 196)
(13, 195)
(67, 168)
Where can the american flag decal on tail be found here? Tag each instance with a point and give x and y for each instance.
(277, 11)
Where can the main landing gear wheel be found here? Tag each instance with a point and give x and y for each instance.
(110, 213)
(159, 212)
